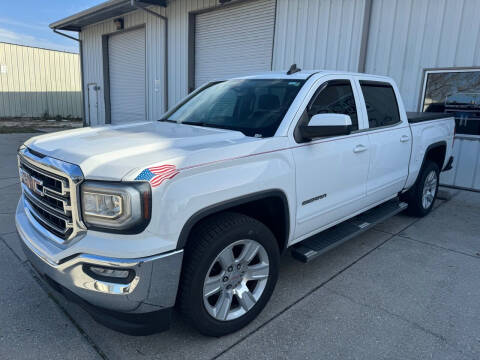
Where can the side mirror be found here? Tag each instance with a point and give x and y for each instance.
(322, 125)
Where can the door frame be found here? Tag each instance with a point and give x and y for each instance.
(88, 101)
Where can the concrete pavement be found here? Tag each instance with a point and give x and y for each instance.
(407, 289)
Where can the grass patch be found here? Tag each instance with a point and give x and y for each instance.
(17, 129)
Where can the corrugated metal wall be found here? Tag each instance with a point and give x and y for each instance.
(408, 36)
(36, 81)
(466, 167)
(178, 14)
(318, 34)
(311, 33)
(234, 41)
(155, 53)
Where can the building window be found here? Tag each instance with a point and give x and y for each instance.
(457, 92)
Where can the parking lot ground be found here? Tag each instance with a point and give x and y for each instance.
(407, 289)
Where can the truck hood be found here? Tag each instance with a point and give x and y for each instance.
(113, 152)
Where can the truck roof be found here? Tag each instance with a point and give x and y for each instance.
(305, 74)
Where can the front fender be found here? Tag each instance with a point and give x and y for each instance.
(210, 188)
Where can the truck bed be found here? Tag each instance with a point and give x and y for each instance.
(416, 117)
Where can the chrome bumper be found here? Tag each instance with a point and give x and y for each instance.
(153, 287)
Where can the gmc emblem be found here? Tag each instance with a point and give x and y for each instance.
(33, 184)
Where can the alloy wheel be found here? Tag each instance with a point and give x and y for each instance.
(236, 280)
(429, 189)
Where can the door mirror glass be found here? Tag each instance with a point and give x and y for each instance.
(322, 125)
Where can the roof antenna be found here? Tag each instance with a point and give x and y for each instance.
(293, 69)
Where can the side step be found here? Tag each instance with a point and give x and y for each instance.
(318, 244)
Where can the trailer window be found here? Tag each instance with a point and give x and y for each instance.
(381, 102)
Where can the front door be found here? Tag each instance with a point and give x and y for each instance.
(331, 173)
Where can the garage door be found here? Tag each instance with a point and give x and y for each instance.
(234, 41)
(126, 54)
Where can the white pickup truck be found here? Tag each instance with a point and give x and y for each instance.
(195, 209)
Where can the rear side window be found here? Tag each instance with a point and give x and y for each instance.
(381, 102)
(335, 97)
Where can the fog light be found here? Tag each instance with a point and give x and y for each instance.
(122, 276)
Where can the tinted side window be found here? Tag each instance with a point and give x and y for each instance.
(381, 102)
(336, 97)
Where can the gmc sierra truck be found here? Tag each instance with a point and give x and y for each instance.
(194, 210)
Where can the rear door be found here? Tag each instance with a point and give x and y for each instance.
(331, 172)
(390, 139)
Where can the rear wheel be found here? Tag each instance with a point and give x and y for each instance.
(230, 271)
(421, 197)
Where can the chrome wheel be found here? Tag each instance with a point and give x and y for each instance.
(429, 189)
(236, 280)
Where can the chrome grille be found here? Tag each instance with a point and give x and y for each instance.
(50, 192)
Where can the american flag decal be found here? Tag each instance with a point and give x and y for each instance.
(157, 174)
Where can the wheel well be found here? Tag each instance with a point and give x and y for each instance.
(437, 154)
(271, 212)
(269, 209)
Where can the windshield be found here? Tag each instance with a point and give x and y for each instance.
(253, 106)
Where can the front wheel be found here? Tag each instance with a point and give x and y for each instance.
(421, 197)
(230, 271)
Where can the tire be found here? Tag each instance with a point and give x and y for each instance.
(207, 253)
(417, 206)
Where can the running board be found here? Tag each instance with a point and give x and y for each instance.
(318, 244)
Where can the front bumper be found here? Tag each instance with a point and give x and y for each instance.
(152, 288)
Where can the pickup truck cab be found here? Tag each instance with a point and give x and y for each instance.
(195, 209)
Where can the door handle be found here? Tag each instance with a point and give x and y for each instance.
(404, 138)
(359, 148)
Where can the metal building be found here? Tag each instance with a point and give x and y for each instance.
(35, 82)
(139, 58)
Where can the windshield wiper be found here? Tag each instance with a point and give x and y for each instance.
(194, 123)
(218, 126)
(210, 125)
(188, 123)
(204, 124)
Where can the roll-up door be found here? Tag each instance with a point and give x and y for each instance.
(126, 57)
(234, 41)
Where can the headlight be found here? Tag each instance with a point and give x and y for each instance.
(116, 207)
(102, 205)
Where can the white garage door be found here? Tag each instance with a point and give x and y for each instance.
(126, 54)
(234, 41)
